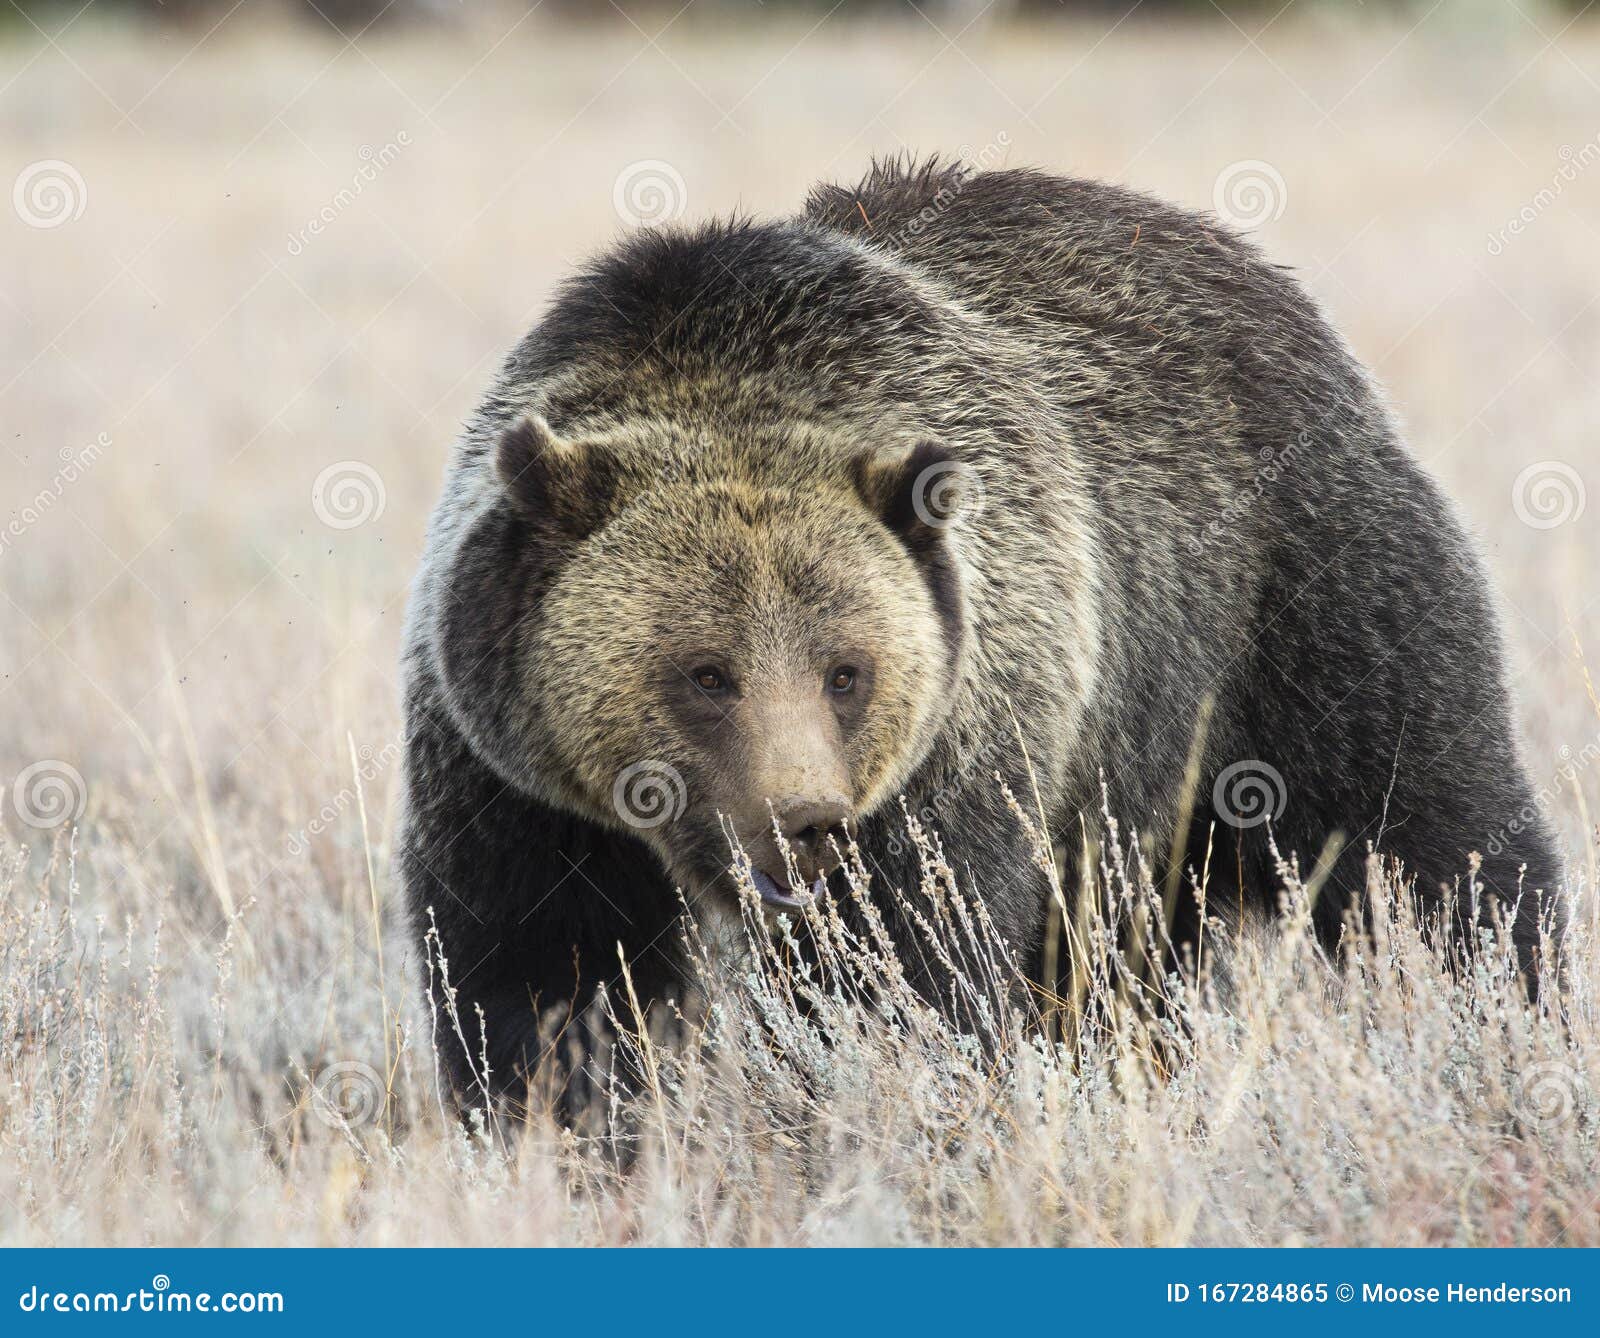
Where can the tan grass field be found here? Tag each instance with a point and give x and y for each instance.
(222, 432)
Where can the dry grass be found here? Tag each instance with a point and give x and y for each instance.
(187, 965)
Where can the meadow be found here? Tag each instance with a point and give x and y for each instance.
(256, 275)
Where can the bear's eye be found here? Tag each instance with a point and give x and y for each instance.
(709, 679)
(842, 679)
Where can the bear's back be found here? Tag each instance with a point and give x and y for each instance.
(1019, 242)
(1158, 314)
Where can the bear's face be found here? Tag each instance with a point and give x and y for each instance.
(718, 658)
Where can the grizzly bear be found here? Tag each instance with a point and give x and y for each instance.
(768, 526)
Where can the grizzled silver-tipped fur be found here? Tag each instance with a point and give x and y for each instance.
(798, 517)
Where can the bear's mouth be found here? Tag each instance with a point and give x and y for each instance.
(779, 896)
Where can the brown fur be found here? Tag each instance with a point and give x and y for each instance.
(994, 463)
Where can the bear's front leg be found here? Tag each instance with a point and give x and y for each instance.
(531, 907)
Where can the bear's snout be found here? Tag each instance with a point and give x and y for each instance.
(814, 830)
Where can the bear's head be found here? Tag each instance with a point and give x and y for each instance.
(711, 653)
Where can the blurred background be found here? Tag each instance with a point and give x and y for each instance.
(261, 259)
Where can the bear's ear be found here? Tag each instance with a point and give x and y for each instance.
(567, 484)
(917, 493)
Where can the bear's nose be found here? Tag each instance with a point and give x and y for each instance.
(812, 827)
